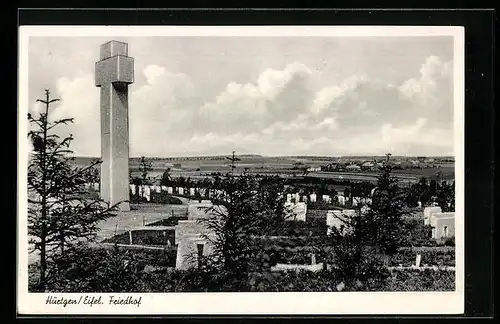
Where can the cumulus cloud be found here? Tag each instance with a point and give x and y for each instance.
(79, 100)
(280, 112)
(276, 95)
(432, 90)
(152, 72)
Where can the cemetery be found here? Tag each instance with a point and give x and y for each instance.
(180, 233)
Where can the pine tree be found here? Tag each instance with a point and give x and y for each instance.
(145, 167)
(382, 224)
(250, 207)
(369, 237)
(60, 211)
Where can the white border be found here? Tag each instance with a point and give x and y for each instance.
(339, 303)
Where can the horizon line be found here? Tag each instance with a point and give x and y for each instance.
(271, 156)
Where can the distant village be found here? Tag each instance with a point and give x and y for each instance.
(349, 164)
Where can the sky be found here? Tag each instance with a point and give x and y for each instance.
(328, 96)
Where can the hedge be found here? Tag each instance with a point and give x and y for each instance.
(118, 269)
(101, 269)
(407, 257)
(416, 280)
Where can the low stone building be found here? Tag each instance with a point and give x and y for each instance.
(428, 211)
(443, 225)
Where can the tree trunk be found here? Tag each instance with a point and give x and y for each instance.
(43, 252)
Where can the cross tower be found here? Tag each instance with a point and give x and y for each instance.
(113, 73)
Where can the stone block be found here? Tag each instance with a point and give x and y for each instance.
(113, 48)
(116, 69)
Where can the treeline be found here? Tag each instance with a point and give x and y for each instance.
(427, 192)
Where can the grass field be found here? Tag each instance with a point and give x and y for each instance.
(198, 168)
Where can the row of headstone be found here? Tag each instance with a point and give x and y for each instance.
(146, 191)
(342, 200)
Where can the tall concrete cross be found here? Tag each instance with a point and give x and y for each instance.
(113, 73)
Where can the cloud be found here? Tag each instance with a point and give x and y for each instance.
(280, 112)
(152, 72)
(276, 95)
(432, 71)
(271, 82)
(431, 91)
(79, 100)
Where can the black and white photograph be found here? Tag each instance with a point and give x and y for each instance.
(210, 169)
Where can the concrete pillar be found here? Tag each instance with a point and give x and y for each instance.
(113, 73)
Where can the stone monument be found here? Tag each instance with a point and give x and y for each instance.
(113, 73)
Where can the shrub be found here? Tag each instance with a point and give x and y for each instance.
(153, 238)
(416, 280)
(450, 241)
(93, 270)
(123, 238)
(439, 257)
(115, 269)
(291, 281)
(140, 237)
(310, 227)
(164, 198)
(417, 234)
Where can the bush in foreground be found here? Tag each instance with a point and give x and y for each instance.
(115, 269)
(420, 280)
(123, 270)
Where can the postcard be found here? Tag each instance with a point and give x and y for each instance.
(241, 170)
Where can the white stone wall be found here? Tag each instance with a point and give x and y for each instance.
(198, 210)
(188, 227)
(443, 225)
(187, 251)
(428, 211)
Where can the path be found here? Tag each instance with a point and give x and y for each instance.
(138, 216)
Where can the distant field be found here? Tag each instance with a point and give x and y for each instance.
(202, 167)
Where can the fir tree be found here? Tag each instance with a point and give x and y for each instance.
(60, 210)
